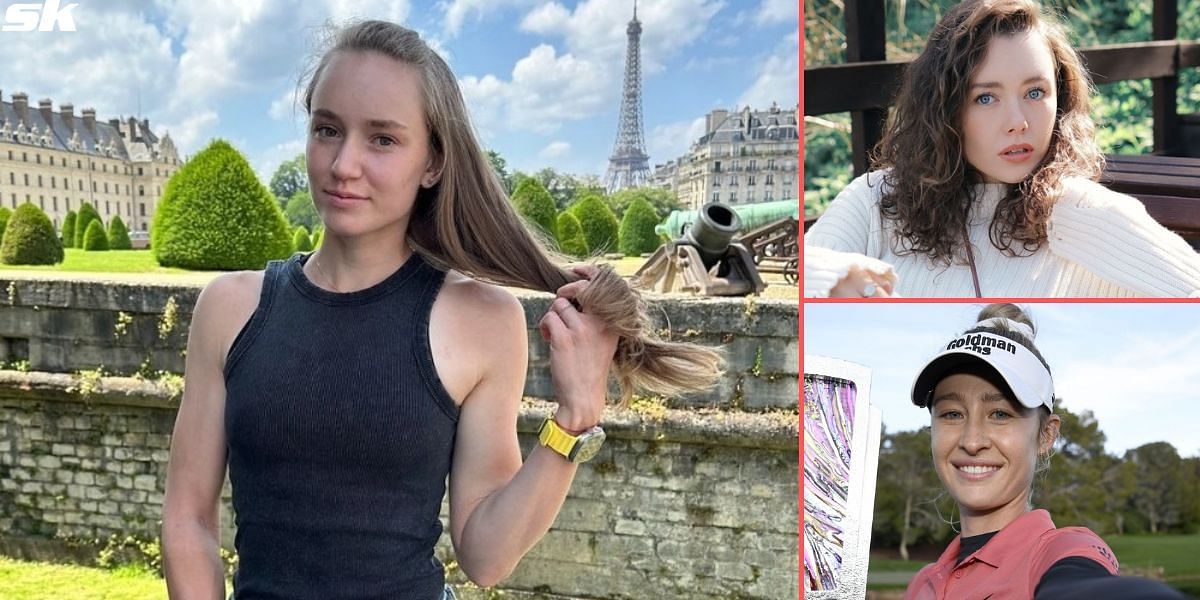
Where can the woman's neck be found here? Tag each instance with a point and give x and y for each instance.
(350, 264)
(978, 523)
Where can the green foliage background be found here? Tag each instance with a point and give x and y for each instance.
(94, 237)
(118, 235)
(30, 238)
(1121, 110)
(600, 226)
(68, 229)
(534, 203)
(570, 236)
(637, 229)
(215, 214)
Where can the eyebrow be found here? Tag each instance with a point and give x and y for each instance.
(996, 84)
(989, 397)
(372, 123)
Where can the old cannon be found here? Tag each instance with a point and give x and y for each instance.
(704, 259)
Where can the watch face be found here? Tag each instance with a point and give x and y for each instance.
(588, 445)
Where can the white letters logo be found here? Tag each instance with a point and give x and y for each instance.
(42, 17)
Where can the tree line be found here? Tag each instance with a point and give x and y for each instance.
(1147, 489)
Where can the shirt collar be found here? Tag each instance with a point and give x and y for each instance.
(1011, 538)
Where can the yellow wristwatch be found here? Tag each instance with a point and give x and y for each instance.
(576, 448)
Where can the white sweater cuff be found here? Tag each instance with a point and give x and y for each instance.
(824, 268)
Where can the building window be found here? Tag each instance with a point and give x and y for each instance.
(39, 159)
(142, 209)
(770, 164)
(107, 209)
(770, 179)
(770, 196)
(141, 190)
(39, 181)
(53, 183)
(42, 202)
(26, 176)
(24, 157)
(54, 200)
(717, 167)
(716, 196)
(735, 166)
(93, 187)
(733, 180)
(78, 164)
(127, 189)
(104, 167)
(753, 165)
(105, 187)
(139, 171)
(68, 199)
(12, 178)
(749, 180)
(732, 197)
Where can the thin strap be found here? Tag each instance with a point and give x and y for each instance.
(971, 260)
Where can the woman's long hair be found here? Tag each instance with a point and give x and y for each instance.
(465, 222)
(928, 189)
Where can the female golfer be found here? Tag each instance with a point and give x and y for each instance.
(342, 387)
(986, 181)
(990, 398)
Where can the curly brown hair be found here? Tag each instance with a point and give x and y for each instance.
(929, 184)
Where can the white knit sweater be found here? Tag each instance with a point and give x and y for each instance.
(1101, 244)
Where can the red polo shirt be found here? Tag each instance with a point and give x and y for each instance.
(1010, 565)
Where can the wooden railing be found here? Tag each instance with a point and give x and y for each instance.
(867, 83)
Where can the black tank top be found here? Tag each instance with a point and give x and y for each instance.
(340, 436)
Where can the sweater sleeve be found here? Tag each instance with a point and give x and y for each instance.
(1112, 235)
(842, 237)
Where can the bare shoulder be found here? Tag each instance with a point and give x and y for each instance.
(225, 306)
(481, 304)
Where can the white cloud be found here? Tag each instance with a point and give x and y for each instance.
(555, 150)
(457, 11)
(672, 140)
(778, 78)
(551, 86)
(546, 19)
(287, 106)
(192, 131)
(771, 12)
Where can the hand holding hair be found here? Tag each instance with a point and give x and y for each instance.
(581, 352)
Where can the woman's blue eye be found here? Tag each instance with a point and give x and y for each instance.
(999, 414)
(323, 131)
(951, 414)
(382, 140)
(985, 99)
(1036, 94)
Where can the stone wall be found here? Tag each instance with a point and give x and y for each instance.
(678, 504)
(62, 326)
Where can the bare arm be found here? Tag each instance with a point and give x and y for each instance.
(196, 472)
(500, 508)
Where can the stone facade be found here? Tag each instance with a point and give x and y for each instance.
(58, 161)
(70, 326)
(678, 504)
(744, 157)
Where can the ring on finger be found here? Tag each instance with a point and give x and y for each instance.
(869, 290)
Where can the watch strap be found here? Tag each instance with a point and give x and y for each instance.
(554, 437)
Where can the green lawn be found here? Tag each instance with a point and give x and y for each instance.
(37, 581)
(111, 261)
(1175, 554)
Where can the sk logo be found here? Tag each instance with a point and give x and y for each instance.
(42, 17)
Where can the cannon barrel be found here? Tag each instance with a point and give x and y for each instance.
(752, 216)
(712, 231)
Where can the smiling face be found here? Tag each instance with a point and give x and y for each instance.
(1008, 116)
(368, 146)
(985, 449)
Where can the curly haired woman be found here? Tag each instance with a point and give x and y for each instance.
(985, 181)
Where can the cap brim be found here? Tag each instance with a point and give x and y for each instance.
(952, 361)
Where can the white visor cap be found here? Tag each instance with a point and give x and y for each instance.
(1025, 375)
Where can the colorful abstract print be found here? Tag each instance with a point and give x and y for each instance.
(828, 425)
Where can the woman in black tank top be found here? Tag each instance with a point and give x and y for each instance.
(342, 388)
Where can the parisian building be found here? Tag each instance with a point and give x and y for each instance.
(745, 156)
(58, 161)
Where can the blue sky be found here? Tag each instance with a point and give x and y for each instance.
(1136, 366)
(542, 78)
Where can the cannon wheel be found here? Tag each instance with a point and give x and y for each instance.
(791, 273)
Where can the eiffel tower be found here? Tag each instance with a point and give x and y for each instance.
(628, 166)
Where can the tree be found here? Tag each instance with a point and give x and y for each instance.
(663, 201)
(906, 492)
(637, 229)
(118, 235)
(534, 203)
(570, 236)
(1072, 488)
(1159, 493)
(300, 210)
(68, 229)
(215, 214)
(600, 227)
(500, 166)
(5, 215)
(30, 238)
(94, 238)
(290, 178)
(563, 187)
(87, 214)
(300, 240)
